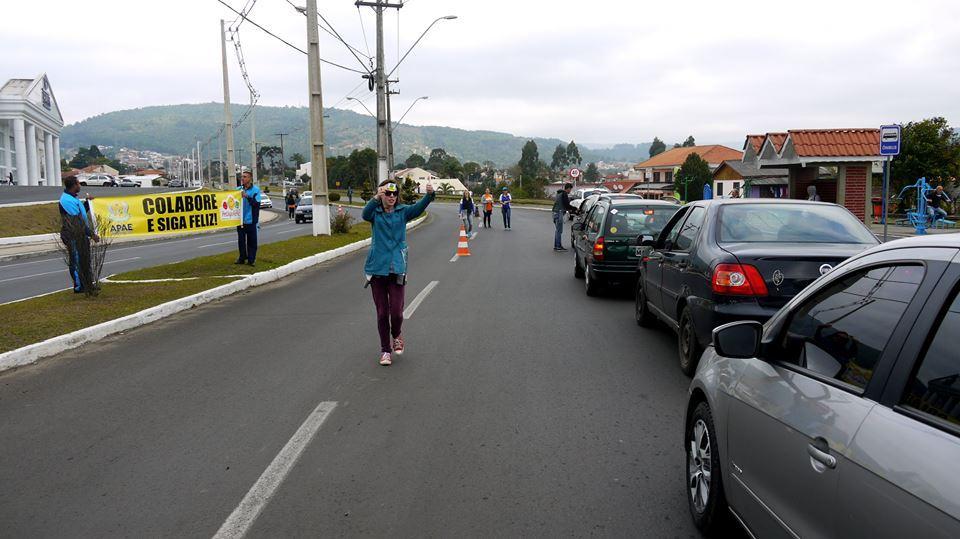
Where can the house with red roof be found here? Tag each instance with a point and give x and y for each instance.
(656, 173)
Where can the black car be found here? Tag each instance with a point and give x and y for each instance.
(724, 260)
(604, 244)
(304, 210)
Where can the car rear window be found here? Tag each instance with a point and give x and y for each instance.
(636, 220)
(791, 223)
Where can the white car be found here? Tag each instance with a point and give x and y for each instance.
(103, 180)
(129, 182)
(265, 201)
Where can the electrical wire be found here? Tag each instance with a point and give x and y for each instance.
(366, 42)
(333, 32)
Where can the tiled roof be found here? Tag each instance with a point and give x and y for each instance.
(749, 170)
(625, 185)
(777, 139)
(836, 142)
(713, 154)
(754, 140)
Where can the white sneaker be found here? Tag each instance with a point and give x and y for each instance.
(398, 346)
(385, 359)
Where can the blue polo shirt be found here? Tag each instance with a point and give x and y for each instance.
(251, 210)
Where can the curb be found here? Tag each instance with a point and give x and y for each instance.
(30, 354)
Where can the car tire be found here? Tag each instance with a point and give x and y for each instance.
(705, 496)
(687, 343)
(83, 184)
(590, 283)
(642, 312)
(577, 270)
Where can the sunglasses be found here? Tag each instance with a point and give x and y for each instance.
(390, 193)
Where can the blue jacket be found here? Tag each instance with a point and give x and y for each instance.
(388, 249)
(251, 205)
(73, 210)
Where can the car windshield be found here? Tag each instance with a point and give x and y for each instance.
(636, 220)
(305, 201)
(791, 223)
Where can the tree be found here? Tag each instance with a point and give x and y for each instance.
(415, 160)
(930, 149)
(298, 159)
(692, 176)
(471, 171)
(559, 160)
(529, 161)
(450, 167)
(676, 145)
(445, 188)
(338, 169)
(689, 143)
(435, 163)
(657, 147)
(268, 159)
(362, 166)
(573, 154)
(408, 191)
(592, 175)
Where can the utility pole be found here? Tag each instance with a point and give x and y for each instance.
(318, 162)
(381, 84)
(219, 160)
(200, 162)
(253, 139)
(390, 158)
(227, 114)
(240, 158)
(283, 164)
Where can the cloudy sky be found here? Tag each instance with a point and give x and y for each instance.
(597, 71)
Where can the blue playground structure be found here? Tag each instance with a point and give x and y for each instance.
(919, 218)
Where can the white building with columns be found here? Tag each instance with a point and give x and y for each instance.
(30, 124)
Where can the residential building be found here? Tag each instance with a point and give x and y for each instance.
(30, 125)
(656, 174)
(99, 169)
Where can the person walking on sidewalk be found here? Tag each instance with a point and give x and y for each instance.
(487, 207)
(560, 206)
(75, 233)
(386, 265)
(247, 231)
(466, 210)
(505, 200)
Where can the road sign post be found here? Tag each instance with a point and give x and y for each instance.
(574, 173)
(889, 147)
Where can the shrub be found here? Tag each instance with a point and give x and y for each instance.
(340, 222)
(334, 197)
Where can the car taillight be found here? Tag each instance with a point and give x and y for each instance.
(738, 280)
(598, 249)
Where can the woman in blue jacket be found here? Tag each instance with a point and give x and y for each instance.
(386, 266)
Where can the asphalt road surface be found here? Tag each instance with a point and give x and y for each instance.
(521, 408)
(24, 278)
(10, 194)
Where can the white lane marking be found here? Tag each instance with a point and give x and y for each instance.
(290, 231)
(215, 244)
(28, 263)
(243, 517)
(408, 312)
(122, 260)
(59, 270)
(455, 258)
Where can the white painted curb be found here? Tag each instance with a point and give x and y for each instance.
(26, 240)
(31, 353)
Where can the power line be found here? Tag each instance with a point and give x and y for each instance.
(333, 31)
(366, 42)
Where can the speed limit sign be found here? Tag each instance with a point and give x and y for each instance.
(574, 172)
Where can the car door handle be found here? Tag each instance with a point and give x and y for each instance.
(817, 454)
(682, 264)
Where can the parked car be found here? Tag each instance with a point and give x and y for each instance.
(577, 196)
(604, 244)
(175, 183)
(128, 182)
(724, 260)
(265, 201)
(304, 210)
(103, 180)
(588, 203)
(840, 416)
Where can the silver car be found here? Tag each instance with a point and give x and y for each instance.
(839, 417)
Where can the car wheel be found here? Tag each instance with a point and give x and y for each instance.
(688, 344)
(642, 311)
(577, 270)
(705, 496)
(83, 184)
(590, 282)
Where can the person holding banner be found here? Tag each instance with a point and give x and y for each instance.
(247, 230)
(75, 233)
(386, 265)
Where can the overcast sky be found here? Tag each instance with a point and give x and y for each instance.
(598, 71)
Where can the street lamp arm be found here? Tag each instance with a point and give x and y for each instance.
(448, 17)
(404, 115)
(362, 105)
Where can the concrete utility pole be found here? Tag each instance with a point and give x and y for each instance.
(318, 161)
(283, 164)
(227, 114)
(200, 163)
(380, 81)
(219, 160)
(253, 139)
(390, 161)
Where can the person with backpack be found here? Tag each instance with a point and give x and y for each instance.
(386, 265)
(466, 210)
(505, 200)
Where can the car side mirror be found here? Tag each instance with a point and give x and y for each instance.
(738, 340)
(646, 240)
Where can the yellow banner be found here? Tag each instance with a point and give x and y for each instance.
(169, 213)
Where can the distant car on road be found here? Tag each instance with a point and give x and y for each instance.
(579, 195)
(587, 204)
(265, 201)
(304, 210)
(101, 180)
(605, 243)
(175, 183)
(724, 260)
(127, 182)
(840, 417)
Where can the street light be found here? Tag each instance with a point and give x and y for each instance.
(404, 115)
(446, 18)
(364, 106)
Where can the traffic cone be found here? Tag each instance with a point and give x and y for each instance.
(462, 248)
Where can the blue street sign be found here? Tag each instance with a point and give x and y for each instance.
(889, 140)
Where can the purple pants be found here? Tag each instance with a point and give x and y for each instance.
(388, 297)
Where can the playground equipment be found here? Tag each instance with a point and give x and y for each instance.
(920, 219)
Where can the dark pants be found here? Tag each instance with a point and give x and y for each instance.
(247, 243)
(486, 218)
(290, 210)
(388, 298)
(558, 222)
(506, 216)
(79, 253)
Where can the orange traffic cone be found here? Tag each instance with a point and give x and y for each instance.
(462, 248)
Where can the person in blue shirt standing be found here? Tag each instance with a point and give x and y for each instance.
(247, 232)
(386, 265)
(75, 233)
(505, 200)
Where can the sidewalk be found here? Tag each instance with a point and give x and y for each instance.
(895, 232)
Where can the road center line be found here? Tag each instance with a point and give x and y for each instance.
(122, 260)
(28, 263)
(290, 231)
(455, 258)
(408, 312)
(243, 517)
(59, 270)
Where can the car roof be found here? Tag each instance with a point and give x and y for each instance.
(725, 201)
(951, 240)
(640, 202)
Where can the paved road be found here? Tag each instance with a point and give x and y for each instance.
(10, 194)
(521, 407)
(24, 278)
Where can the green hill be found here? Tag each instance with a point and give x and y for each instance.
(176, 128)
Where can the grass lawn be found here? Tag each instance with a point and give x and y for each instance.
(35, 320)
(29, 220)
(269, 256)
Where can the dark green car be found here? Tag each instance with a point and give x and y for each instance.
(605, 246)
